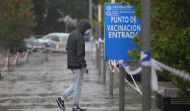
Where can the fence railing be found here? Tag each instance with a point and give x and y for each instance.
(7, 60)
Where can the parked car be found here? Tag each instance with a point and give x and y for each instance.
(33, 44)
(56, 41)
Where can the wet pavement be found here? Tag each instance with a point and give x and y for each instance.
(34, 85)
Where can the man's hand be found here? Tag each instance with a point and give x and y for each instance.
(85, 70)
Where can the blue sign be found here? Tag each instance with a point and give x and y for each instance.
(121, 25)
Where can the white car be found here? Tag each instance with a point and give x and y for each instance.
(56, 41)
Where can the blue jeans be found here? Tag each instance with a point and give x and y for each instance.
(75, 86)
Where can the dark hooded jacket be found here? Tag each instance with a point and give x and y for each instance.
(76, 46)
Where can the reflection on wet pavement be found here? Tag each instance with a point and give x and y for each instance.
(35, 85)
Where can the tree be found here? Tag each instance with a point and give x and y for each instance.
(39, 9)
(16, 20)
(49, 11)
(170, 37)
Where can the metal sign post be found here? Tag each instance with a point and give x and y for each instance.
(99, 36)
(91, 32)
(121, 88)
(111, 85)
(104, 65)
(145, 55)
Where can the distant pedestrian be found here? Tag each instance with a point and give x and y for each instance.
(77, 63)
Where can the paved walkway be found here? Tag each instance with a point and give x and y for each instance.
(34, 86)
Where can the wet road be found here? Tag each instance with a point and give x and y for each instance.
(33, 86)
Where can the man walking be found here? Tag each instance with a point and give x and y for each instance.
(76, 62)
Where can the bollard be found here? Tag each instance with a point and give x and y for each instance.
(121, 89)
(36, 54)
(27, 57)
(111, 85)
(99, 56)
(104, 66)
(104, 71)
(17, 59)
(46, 55)
(96, 46)
(8, 60)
